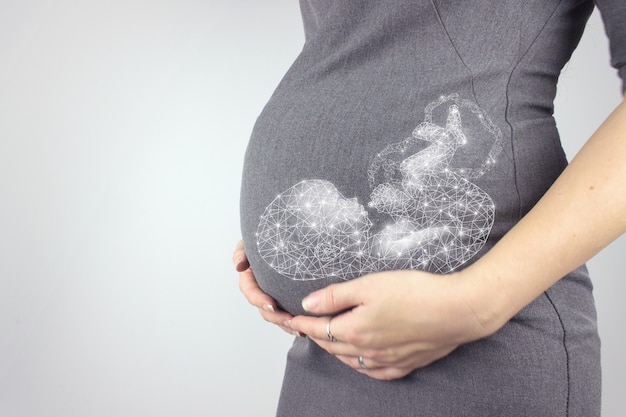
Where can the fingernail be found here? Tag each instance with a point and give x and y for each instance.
(269, 307)
(241, 265)
(288, 324)
(309, 303)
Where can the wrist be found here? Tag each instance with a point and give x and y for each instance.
(485, 297)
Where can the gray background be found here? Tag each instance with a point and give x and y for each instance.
(122, 131)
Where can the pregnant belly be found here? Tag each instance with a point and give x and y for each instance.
(420, 212)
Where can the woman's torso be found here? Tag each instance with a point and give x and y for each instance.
(413, 134)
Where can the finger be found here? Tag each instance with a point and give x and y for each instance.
(319, 328)
(386, 374)
(402, 368)
(292, 332)
(286, 329)
(254, 294)
(334, 298)
(363, 364)
(346, 328)
(403, 356)
(374, 370)
(277, 317)
(397, 356)
(335, 348)
(314, 327)
(239, 257)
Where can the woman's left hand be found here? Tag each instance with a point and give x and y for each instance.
(390, 323)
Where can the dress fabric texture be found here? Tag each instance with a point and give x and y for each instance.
(415, 134)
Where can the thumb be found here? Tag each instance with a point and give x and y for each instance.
(333, 299)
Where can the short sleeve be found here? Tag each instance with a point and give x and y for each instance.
(613, 14)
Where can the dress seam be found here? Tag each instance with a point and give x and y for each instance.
(567, 356)
(456, 51)
(508, 106)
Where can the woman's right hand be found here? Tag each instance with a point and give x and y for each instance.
(255, 295)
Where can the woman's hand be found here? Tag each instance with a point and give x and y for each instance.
(395, 322)
(255, 295)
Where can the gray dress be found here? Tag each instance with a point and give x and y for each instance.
(414, 135)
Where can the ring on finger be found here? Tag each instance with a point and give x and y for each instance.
(361, 363)
(328, 333)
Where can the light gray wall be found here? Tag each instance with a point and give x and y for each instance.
(122, 130)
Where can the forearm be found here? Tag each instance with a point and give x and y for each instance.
(583, 211)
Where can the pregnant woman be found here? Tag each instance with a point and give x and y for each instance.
(407, 209)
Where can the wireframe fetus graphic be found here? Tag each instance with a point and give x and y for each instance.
(438, 219)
